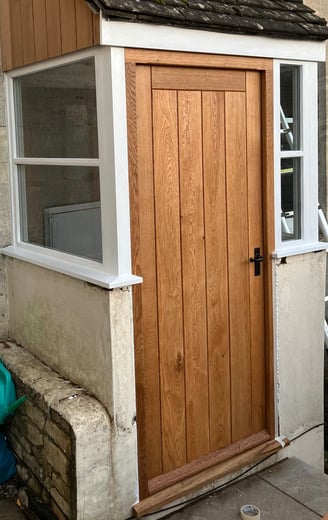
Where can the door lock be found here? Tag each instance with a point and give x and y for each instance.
(257, 261)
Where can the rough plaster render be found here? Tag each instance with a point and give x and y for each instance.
(284, 18)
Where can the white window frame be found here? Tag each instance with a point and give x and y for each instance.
(308, 155)
(115, 268)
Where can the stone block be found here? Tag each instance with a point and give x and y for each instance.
(61, 487)
(58, 436)
(36, 415)
(61, 502)
(34, 435)
(32, 464)
(57, 459)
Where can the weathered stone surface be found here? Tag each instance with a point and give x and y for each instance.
(35, 414)
(61, 487)
(56, 459)
(59, 437)
(72, 467)
(287, 19)
(60, 501)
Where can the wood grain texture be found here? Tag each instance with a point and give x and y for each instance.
(202, 198)
(28, 35)
(207, 461)
(256, 239)
(239, 305)
(68, 26)
(209, 79)
(150, 338)
(16, 33)
(191, 59)
(35, 30)
(216, 268)
(191, 484)
(6, 35)
(84, 28)
(193, 269)
(169, 278)
(40, 30)
(53, 28)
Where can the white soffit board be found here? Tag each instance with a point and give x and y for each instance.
(161, 37)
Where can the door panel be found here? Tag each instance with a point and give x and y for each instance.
(197, 215)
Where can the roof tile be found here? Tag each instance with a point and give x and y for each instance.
(280, 18)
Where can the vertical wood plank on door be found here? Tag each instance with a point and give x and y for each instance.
(216, 269)
(40, 30)
(167, 211)
(53, 28)
(28, 31)
(239, 305)
(17, 38)
(255, 221)
(193, 269)
(68, 25)
(84, 34)
(147, 339)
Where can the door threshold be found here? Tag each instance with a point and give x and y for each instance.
(189, 485)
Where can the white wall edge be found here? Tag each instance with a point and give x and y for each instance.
(80, 272)
(161, 37)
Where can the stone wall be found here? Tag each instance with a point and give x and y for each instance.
(5, 236)
(61, 438)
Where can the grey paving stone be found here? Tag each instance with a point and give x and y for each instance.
(300, 481)
(225, 505)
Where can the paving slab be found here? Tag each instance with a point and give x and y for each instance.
(9, 510)
(301, 482)
(269, 491)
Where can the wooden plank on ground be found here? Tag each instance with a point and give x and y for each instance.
(192, 484)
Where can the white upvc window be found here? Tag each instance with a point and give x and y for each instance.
(69, 166)
(296, 157)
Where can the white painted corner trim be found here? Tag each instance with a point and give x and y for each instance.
(161, 37)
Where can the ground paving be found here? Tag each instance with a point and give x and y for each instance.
(290, 490)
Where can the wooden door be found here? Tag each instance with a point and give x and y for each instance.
(196, 157)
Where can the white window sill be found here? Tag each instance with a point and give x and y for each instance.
(299, 249)
(81, 272)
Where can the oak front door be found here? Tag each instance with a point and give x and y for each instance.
(197, 227)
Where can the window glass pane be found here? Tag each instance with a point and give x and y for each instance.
(290, 199)
(290, 107)
(56, 112)
(60, 208)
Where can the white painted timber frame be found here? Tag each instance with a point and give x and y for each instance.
(305, 54)
(115, 269)
(308, 155)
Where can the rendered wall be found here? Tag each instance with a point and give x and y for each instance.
(83, 332)
(299, 306)
(5, 236)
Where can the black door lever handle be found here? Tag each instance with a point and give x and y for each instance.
(257, 261)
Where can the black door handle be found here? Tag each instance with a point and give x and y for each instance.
(257, 261)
